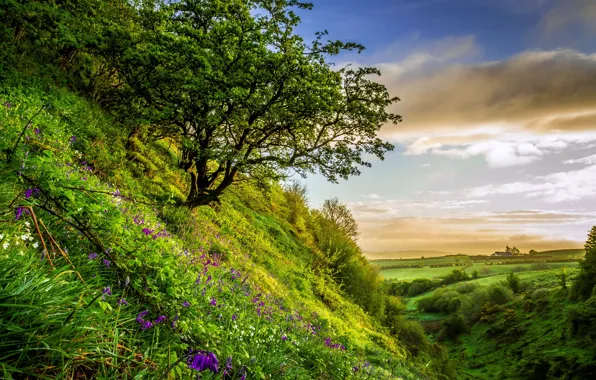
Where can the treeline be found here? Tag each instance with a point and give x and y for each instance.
(341, 261)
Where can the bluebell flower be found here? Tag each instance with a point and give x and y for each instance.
(92, 256)
(202, 361)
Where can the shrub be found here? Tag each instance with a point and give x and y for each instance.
(453, 327)
(412, 334)
(514, 283)
(456, 275)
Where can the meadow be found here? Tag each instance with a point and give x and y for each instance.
(407, 274)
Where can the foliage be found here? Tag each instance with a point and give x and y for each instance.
(243, 95)
(584, 284)
(231, 281)
(338, 213)
(514, 283)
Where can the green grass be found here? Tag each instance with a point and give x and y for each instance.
(461, 259)
(562, 252)
(408, 274)
(543, 278)
(52, 323)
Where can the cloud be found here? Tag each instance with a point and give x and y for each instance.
(569, 18)
(409, 233)
(512, 112)
(371, 196)
(535, 90)
(590, 160)
(554, 188)
(425, 166)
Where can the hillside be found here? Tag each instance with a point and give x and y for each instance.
(104, 276)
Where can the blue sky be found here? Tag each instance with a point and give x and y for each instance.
(498, 140)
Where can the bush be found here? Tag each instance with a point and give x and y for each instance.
(514, 283)
(456, 275)
(453, 327)
(412, 334)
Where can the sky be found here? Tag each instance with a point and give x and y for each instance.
(498, 140)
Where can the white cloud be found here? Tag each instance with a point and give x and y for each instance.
(557, 187)
(371, 196)
(590, 160)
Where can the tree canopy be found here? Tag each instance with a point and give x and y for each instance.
(338, 213)
(244, 95)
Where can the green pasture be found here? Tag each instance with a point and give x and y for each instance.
(427, 261)
(408, 274)
(541, 279)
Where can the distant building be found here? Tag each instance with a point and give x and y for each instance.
(502, 254)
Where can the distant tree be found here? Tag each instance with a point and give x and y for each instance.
(514, 283)
(532, 252)
(563, 278)
(475, 274)
(341, 216)
(585, 282)
(295, 194)
(244, 96)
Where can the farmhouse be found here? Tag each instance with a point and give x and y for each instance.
(502, 254)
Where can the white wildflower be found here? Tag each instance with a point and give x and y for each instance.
(5, 245)
(35, 245)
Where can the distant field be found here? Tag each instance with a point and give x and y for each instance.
(407, 274)
(561, 252)
(426, 261)
(545, 278)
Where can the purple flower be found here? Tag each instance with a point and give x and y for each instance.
(284, 337)
(107, 291)
(186, 304)
(29, 192)
(37, 131)
(122, 302)
(160, 319)
(92, 256)
(202, 361)
(234, 317)
(213, 302)
(145, 325)
(229, 367)
(106, 263)
(20, 212)
(174, 321)
(147, 231)
(72, 139)
(141, 315)
(243, 374)
(7, 104)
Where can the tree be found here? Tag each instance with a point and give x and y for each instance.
(295, 194)
(532, 252)
(245, 96)
(341, 216)
(585, 282)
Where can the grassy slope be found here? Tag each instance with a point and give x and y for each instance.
(248, 229)
(527, 339)
(526, 344)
